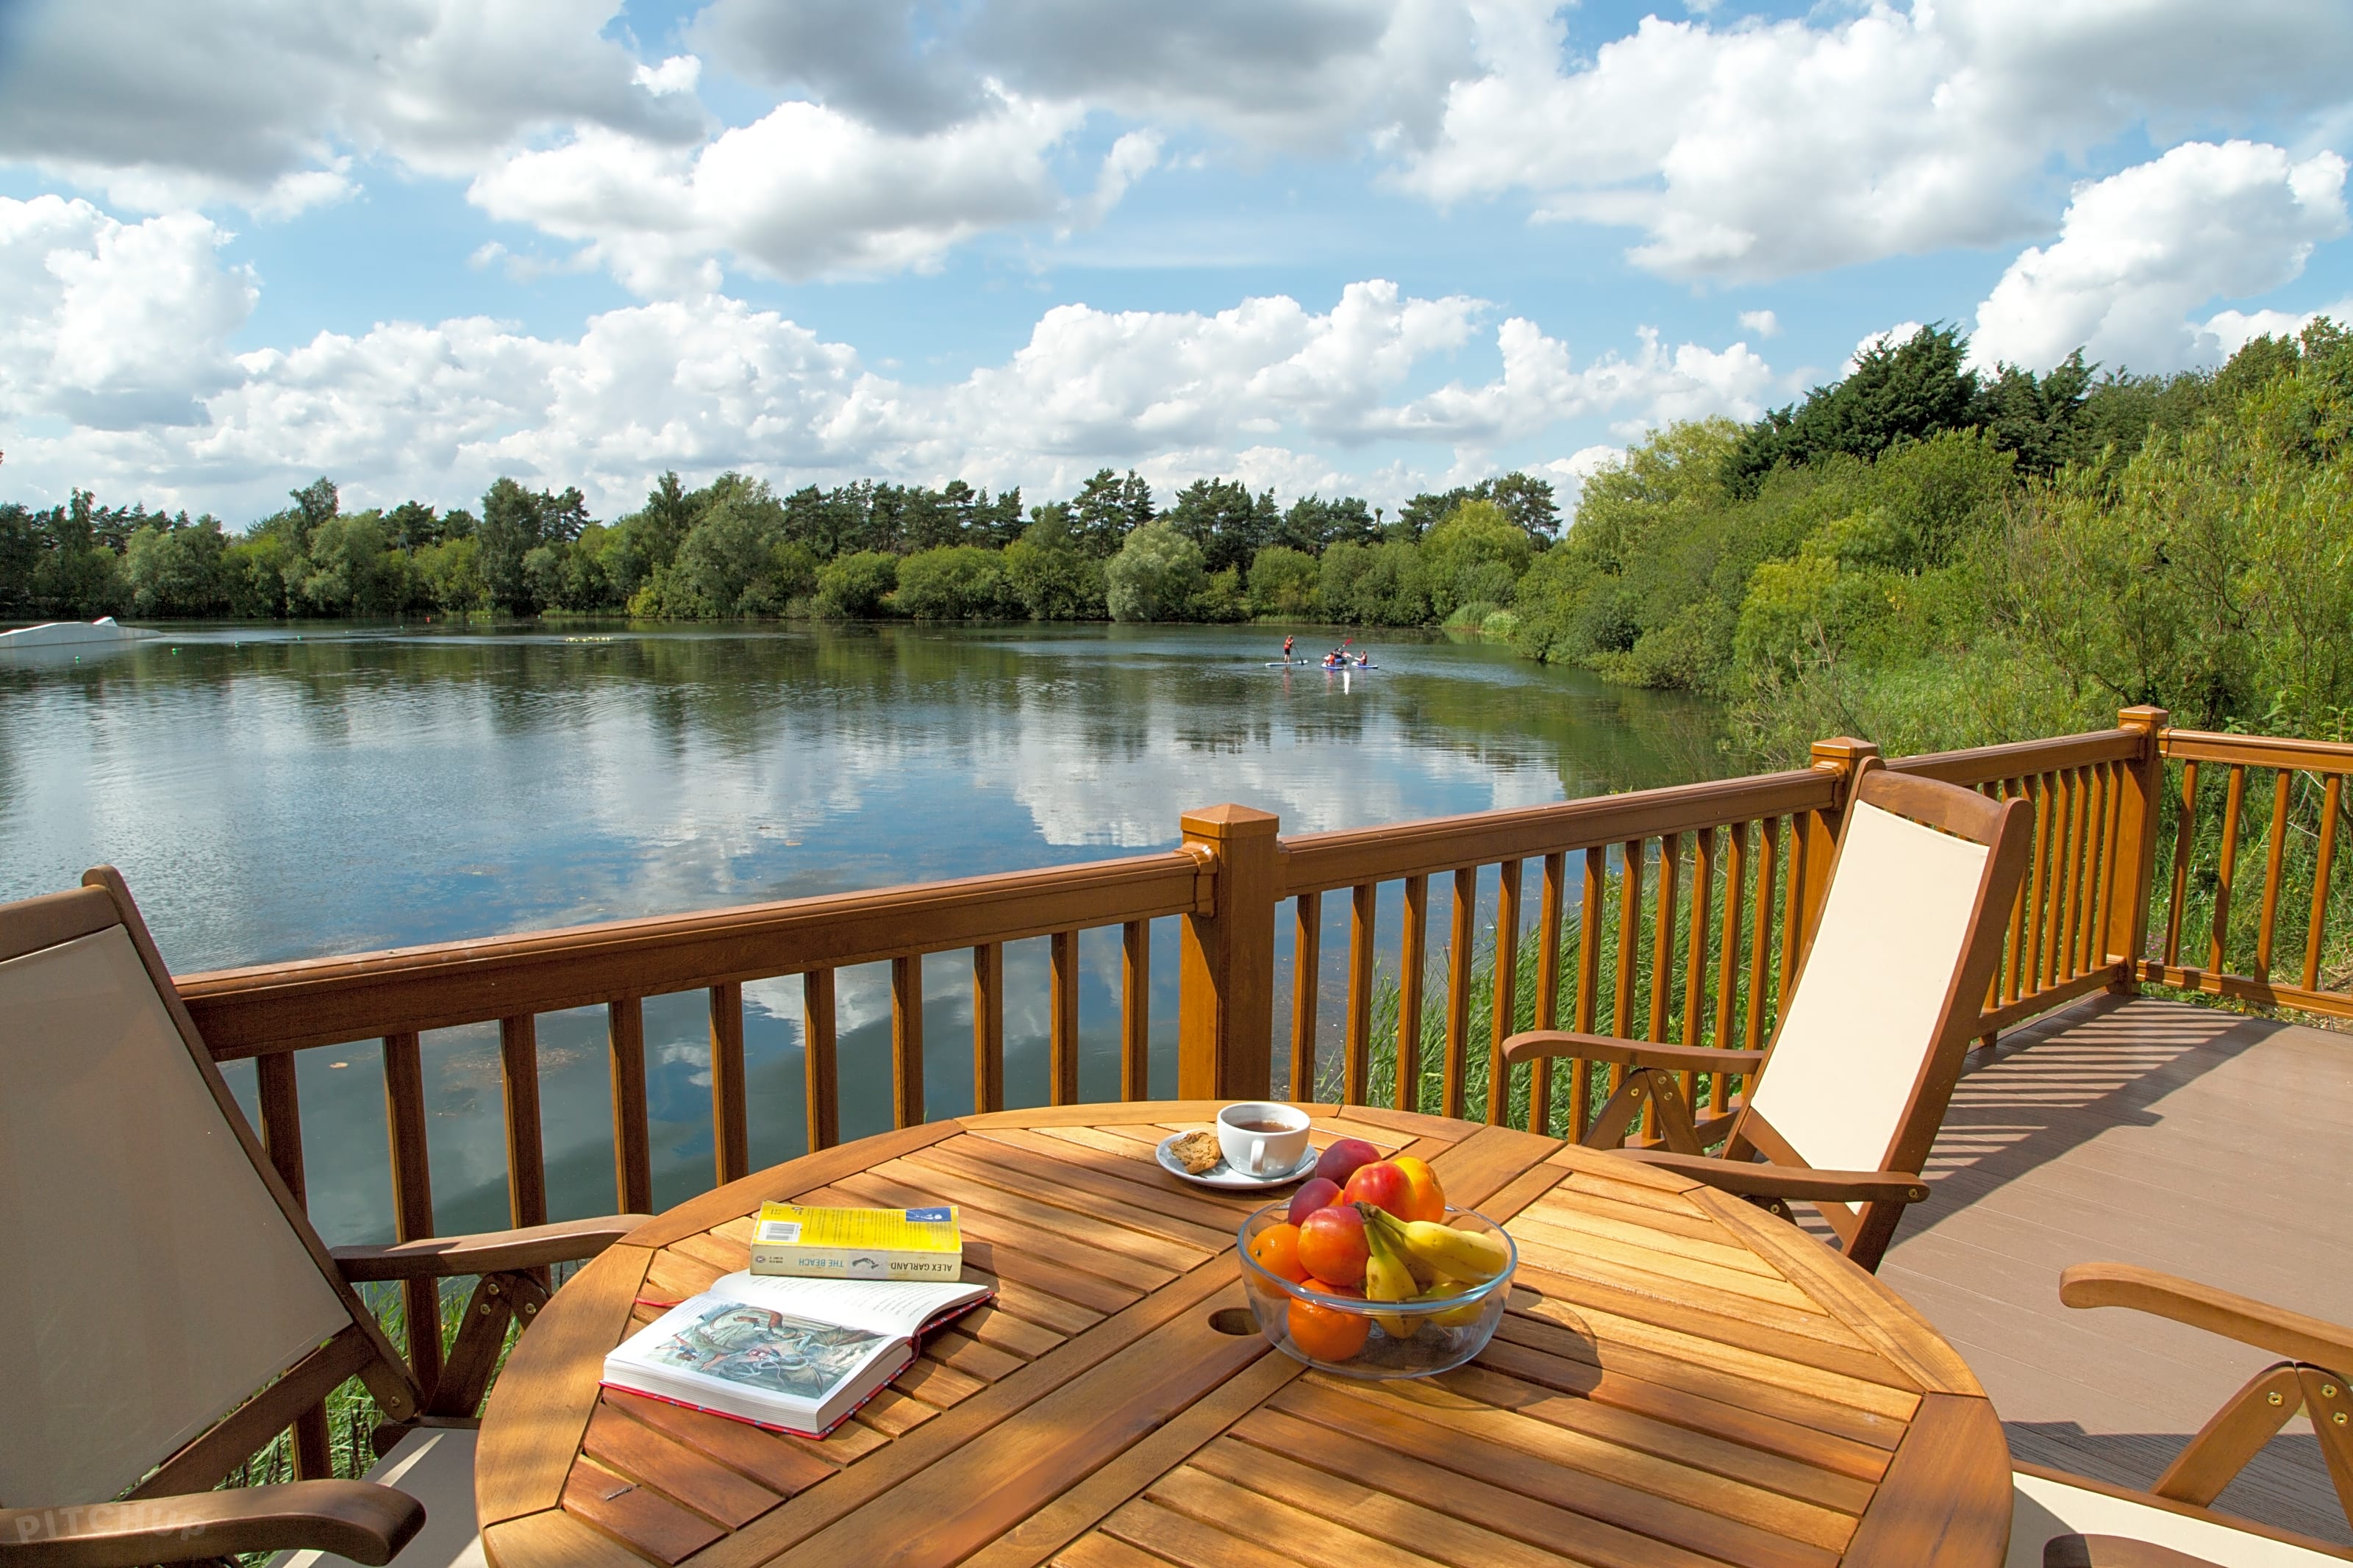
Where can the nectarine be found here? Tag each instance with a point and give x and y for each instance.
(1315, 1193)
(1381, 1184)
(1339, 1162)
(1332, 1245)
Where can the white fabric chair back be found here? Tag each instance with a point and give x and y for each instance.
(152, 1281)
(1860, 1028)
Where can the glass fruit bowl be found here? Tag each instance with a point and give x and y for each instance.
(1355, 1338)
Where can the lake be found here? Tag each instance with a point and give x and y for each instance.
(276, 792)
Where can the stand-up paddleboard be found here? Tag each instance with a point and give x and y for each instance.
(1288, 663)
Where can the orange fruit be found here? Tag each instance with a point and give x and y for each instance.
(1425, 1199)
(1276, 1250)
(1327, 1333)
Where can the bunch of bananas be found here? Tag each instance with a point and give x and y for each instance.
(1419, 1260)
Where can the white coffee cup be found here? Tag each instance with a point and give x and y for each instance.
(1261, 1138)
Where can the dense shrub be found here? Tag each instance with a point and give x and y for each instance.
(850, 586)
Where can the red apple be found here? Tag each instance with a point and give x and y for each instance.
(1314, 1193)
(1384, 1186)
(1339, 1162)
(1332, 1245)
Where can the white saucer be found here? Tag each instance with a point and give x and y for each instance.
(1225, 1177)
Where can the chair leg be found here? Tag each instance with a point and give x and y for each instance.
(2330, 1405)
(1617, 1113)
(1674, 1115)
(2235, 1434)
(497, 1301)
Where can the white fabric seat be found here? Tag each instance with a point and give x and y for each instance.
(435, 1465)
(2043, 1507)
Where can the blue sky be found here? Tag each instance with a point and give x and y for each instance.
(1365, 246)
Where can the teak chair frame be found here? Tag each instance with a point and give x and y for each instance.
(173, 1515)
(2312, 1380)
(1862, 1208)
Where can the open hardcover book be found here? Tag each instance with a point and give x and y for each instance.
(798, 1355)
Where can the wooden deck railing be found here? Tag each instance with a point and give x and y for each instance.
(1667, 914)
(2216, 940)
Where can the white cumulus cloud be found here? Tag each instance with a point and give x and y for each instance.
(128, 344)
(1756, 150)
(2141, 252)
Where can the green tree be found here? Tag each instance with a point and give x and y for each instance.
(1051, 580)
(1156, 577)
(853, 586)
(1473, 558)
(1897, 391)
(1227, 524)
(1106, 510)
(516, 521)
(954, 583)
(178, 572)
(1284, 582)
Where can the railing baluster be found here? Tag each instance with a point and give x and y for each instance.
(1506, 991)
(2097, 821)
(1457, 988)
(2080, 824)
(1306, 982)
(1136, 1011)
(1662, 943)
(1548, 1006)
(731, 1121)
(1413, 958)
(1588, 985)
(625, 1045)
(1760, 940)
(282, 1118)
(2330, 797)
(2234, 797)
(412, 1197)
(989, 1027)
(1794, 912)
(1695, 961)
(820, 1080)
(1662, 959)
(2276, 852)
(518, 1082)
(2185, 838)
(1632, 864)
(1357, 1050)
(907, 1040)
(2062, 813)
(1728, 961)
(1062, 1041)
(2014, 961)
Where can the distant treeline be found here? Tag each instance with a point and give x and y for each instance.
(1917, 553)
(735, 548)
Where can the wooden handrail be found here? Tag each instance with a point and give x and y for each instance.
(2258, 751)
(270, 1009)
(1319, 862)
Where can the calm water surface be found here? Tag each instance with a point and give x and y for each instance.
(280, 793)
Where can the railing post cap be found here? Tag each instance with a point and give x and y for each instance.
(2144, 716)
(1231, 821)
(1843, 751)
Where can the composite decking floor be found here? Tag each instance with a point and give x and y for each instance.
(2137, 1130)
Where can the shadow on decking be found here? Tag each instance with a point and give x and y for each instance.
(2151, 1133)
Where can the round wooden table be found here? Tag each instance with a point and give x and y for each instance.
(1682, 1378)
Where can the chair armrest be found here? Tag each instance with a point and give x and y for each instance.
(1747, 1179)
(2234, 1316)
(1627, 1053)
(358, 1519)
(491, 1252)
(2114, 1552)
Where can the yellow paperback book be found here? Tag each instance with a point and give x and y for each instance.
(857, 1244)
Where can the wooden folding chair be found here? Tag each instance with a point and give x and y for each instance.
(2068, 1522)
(1848, 1095)
(167, 1307)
